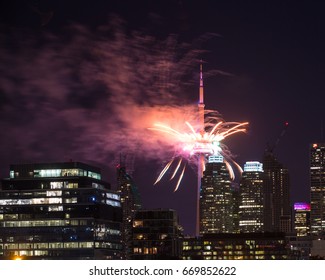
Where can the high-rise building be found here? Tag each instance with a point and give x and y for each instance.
(301, 218)
(251, 198)
(156, 235)
(277, 209)
(131, 202)
(216, 198)
(317, 188)
(59, 211)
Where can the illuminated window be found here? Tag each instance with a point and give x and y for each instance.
(71, 245)
(41, 245)
(86, 245)
(72, 185)
(140, 236)
(71, 200)
(113, 203)
(113, 196)
(56, 185)
(138, 223)
(163, 236)
(55, 208)
(53, 193)
(40, 253)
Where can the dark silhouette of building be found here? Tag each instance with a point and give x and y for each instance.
(131, 202)
(277, 209)
(156, 235)
(251, 201)
(317, 189)
(59, 211)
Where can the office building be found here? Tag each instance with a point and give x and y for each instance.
(59, 211)
(251, 198)
(277, 209)
(217, 203)
(156, 235)
(317, 188)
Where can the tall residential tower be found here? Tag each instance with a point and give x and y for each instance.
(130, 202)
(317, 188)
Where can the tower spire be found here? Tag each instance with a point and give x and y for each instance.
(201, 100)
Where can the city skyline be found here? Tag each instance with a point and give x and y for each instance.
(263, 63)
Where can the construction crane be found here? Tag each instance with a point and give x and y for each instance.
(270, 148)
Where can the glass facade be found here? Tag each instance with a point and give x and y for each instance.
(58, 217)
(251, 205)
(217, 201)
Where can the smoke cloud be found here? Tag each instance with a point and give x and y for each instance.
(89, 94)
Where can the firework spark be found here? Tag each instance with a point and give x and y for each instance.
(191, 143)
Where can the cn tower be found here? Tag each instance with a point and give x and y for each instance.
(201, 157)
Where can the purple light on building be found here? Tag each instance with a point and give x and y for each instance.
(301, 206)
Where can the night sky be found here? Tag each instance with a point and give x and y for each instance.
(83, 80)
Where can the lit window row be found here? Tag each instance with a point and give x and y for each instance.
(40, 173)
(145, 251)
(38, 201)
(38, 223)
(52, 245)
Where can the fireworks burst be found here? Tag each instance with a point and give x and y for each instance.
(195, 143)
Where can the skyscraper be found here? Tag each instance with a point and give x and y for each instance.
(130, 201)
(59, 211)
(216, 198)
(277, 210)
(317, 188)
(251, 198)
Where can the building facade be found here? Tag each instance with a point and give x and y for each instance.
(156, 235)
(243, 246)
(59, 211)
(251, 198)
(217, 200)
(317, 188)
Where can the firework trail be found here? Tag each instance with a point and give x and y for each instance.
(191, 143)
